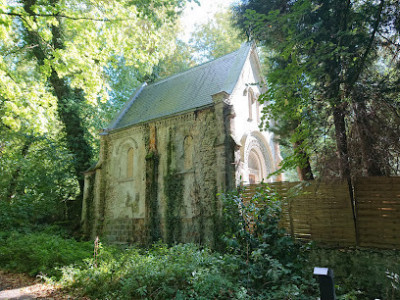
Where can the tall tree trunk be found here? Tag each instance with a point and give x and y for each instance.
(343, 153)
(341, 142)
(68, 101)
(304, 171)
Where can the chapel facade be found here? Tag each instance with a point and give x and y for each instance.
(175, 145)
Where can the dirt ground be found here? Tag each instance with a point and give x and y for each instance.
(21, 286)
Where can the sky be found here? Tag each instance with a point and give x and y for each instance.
(195, 14)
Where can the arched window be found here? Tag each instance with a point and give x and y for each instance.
(125, 159)
(256, 157)
(129, 163)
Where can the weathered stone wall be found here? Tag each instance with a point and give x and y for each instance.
(171, 192)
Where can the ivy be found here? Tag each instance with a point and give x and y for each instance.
(174, 195)
(153, 218)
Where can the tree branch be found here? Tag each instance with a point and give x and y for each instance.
(58, 15)
(368, 49)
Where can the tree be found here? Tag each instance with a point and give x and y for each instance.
(321, 54)
(55, 58)
(216, 38)
(180, 60)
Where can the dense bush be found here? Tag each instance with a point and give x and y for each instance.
(271, 265)
(181, 271)
(40, 253)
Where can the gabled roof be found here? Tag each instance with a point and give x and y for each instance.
(185, 91)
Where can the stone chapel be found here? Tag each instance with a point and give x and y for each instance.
(174, 146)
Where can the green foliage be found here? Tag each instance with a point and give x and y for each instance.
(271, 264)
(215, 38)
(153, 215)
(364, 273)
(325, 80)
(182, 271)
(174, 197)
(37, 182)
(59, 61)
(257, 261)
(178, 61)
(40, 253)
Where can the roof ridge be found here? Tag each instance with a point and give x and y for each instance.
(195, 68)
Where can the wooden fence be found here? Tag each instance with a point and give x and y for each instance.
(378, 211)
(323, 212)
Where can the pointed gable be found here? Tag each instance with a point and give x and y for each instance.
(186, 91)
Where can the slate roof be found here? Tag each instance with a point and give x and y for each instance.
(185, 91)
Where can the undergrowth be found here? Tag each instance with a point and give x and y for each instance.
(255, 259)
(362, 274)
(182, 272)
(41, 253)
(270, 263)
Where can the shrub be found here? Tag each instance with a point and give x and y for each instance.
(181, 271)
(272, 264)
(44, 253)
(364, 273)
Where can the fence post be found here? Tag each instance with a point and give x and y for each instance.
(351, 186)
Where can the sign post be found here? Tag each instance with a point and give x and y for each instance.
(326, 284)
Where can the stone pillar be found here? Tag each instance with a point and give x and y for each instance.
(224, 156)
(224, 144)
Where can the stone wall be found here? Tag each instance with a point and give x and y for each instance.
(178, 169)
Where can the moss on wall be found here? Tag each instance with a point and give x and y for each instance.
(151, 198)
(174, 195)
(153, 232)
(173, 189)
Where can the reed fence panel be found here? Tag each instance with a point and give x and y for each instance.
(322, 211)
(315, 211)
(378, 211)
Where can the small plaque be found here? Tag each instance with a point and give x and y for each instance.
(321, 271)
